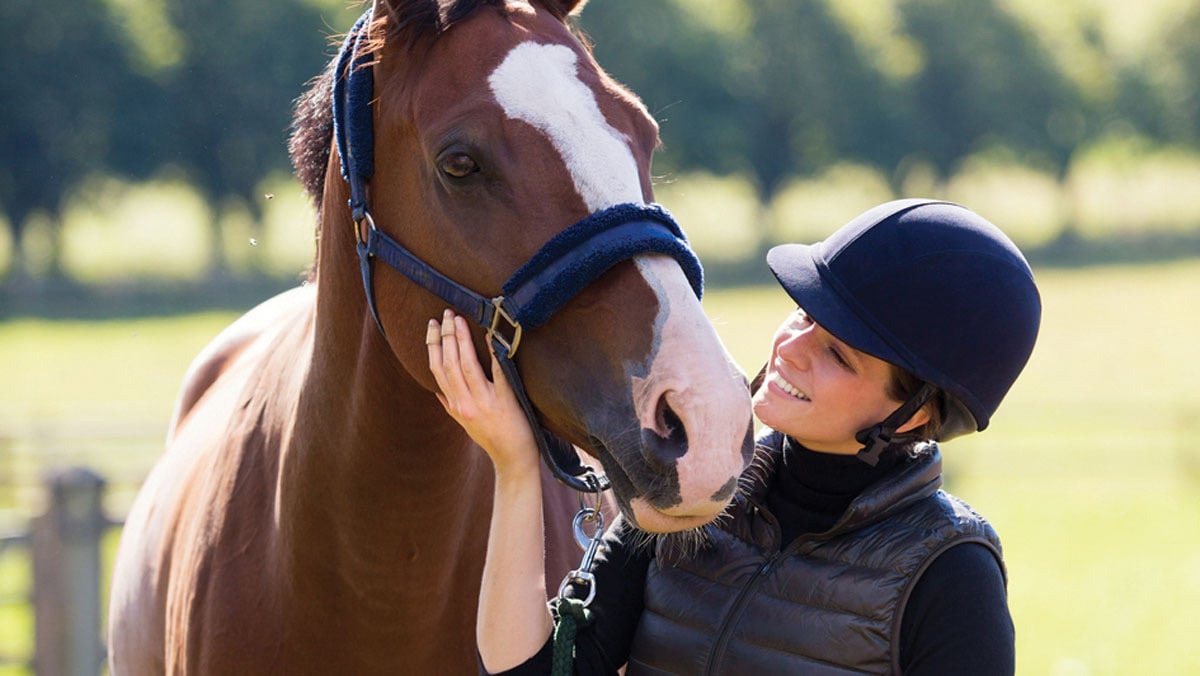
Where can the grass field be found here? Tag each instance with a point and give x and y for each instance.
(1090, 472)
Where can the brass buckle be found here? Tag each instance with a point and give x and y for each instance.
(510, 344)
(363, 235)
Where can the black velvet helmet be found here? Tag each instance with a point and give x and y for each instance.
(931, 287)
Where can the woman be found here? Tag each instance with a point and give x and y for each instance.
(840, 554)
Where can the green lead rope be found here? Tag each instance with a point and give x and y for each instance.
(570, 614)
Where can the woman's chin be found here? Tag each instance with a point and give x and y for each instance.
(652, 520)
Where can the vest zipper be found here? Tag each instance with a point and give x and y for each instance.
(743, 597)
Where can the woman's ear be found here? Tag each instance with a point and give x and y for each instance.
(919, 418)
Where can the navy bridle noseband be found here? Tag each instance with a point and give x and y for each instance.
(566, 264)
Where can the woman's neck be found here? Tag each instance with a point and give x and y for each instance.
(811, 490)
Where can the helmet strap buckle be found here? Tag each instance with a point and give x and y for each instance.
(877, 438)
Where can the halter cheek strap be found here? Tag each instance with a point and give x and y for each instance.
(353, 89)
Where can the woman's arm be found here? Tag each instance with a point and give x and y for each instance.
(514, 621)
(957, 619)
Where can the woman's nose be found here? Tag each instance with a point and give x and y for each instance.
(795, 348)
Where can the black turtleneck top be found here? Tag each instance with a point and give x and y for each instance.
(956, 621)
(812, 490)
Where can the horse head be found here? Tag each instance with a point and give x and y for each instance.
(494, 131)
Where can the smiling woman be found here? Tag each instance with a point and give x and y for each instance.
(852, 389)
(840, 549)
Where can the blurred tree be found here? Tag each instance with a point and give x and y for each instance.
(67, 78)
(817, 99)
(690, 73)
(1180, 82)
(768, 89)
(229, 97)
(765, 88)
(986, 81)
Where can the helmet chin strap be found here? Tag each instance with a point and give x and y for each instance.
(877, 438)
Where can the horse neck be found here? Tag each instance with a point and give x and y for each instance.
(375, 468)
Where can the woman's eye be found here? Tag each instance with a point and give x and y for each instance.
(841, 360)
(459, 165)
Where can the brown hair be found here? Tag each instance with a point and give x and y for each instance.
(903, 385)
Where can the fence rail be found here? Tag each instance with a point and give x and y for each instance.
(63, 545)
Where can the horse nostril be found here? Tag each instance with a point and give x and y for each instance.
(666, 444)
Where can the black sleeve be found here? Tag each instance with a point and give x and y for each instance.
(957, 619)
(602, 647)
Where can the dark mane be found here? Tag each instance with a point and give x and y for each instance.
(312, 134)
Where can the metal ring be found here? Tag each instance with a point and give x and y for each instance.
(358, 227)
(598, 494)
(582, 537)
(580, 577)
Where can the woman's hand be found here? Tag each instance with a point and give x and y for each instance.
(488, 411)
(513, 622)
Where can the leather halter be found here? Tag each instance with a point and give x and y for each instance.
(566, 264)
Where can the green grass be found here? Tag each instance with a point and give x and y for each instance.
(16, 620)
(1090, 471)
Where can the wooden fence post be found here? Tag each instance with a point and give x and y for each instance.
(66, 576)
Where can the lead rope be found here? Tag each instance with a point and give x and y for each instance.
(572, 613)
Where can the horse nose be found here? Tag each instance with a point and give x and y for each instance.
(667, 442)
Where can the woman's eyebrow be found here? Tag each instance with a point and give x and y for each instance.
(852, 355)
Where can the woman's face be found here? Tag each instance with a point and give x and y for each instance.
(819, 390)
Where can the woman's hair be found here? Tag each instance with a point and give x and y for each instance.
(903, 385)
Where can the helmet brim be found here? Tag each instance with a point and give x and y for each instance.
(798, 267)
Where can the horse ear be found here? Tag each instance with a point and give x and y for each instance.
(566, 7)
(572, 6)
(409, 12)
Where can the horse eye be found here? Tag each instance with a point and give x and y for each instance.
(459, 165)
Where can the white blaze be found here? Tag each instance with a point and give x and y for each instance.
(539, 84)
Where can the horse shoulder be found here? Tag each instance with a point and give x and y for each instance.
(216, 357)
(161, 554)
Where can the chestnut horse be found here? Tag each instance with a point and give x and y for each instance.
(316, 511)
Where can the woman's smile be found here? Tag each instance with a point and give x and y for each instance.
(850, 388)
(776, 378)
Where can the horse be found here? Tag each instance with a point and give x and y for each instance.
(315, 509)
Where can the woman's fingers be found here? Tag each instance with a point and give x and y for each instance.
(465, 391)
(489, 413)
(433, 342)
(471, 370)
(456, 387)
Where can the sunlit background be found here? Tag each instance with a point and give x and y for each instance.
(146, 200)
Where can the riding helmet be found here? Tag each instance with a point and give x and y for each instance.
(929, 286)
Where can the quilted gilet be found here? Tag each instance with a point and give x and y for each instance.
(830, 603)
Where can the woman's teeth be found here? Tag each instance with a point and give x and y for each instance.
(788, 387)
